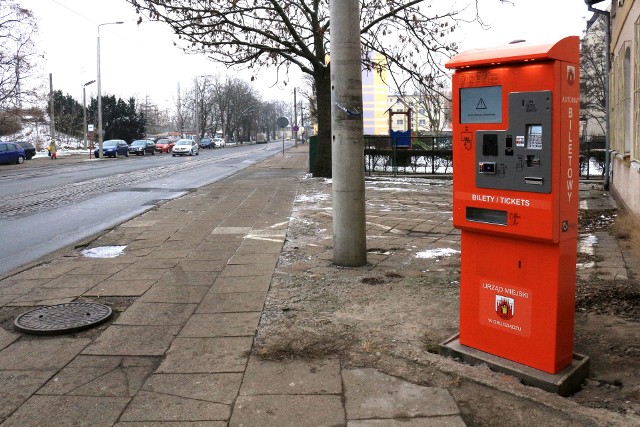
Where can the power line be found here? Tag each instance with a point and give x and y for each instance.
(74, 11)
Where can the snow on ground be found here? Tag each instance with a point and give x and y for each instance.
(103, 252)
(63, 152)
(314, 198)
(588, 243)
(437, 253)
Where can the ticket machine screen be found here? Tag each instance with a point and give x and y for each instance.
(481, 104)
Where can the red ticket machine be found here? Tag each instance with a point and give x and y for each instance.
(515, 199)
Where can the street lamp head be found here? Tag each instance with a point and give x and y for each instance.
(88, 83)
(108, 23)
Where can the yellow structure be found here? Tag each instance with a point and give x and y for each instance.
(375, 92)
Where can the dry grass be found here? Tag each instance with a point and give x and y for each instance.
(627, 227)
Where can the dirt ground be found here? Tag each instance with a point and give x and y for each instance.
(392, 313)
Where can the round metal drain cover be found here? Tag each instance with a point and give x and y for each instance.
(62, 318)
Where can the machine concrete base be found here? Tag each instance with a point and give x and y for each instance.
(565, 382)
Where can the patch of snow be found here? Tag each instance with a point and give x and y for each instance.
(587, 244)
(103, 252)
(373, 187)
(586, 265)
(437, 253)
(312, 199)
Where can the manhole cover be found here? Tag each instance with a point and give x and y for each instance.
(62, 318)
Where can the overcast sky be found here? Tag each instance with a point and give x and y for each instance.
(141, 61)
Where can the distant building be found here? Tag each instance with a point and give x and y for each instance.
(375, 91)
(420, 122)
(377, 102)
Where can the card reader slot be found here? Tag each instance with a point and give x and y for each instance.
(533, 180)
(487, 216)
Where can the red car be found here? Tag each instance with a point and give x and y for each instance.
(164, 145)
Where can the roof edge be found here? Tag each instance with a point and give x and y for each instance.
(566, 49)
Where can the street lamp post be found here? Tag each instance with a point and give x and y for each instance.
(84, 110)
(100, 136)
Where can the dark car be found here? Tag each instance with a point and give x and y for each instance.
(10, 152)
(113, 148)
(140, 147)
(29, 149)
(206, 143)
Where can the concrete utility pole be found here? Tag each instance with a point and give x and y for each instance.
(295, 119)
(100, 130)
(347, 144)
(197, 118)
(52, 126)
(84, 114)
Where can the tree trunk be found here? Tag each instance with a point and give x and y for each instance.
(322, 167)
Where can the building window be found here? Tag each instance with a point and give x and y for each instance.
(422, 122)
(400, 122)
(421, 111)
(619, 96)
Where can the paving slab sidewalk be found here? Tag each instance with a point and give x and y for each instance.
(188, 293)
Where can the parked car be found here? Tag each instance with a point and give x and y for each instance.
(140, 147)
(185, 146)
(206, 143)
(29, 149)
(163, 145)
(11, 152)
(218, 142)
(113, 148)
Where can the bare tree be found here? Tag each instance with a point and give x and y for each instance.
(593, 90)
(238, 105)
(17, 52)
(181, 118)
(203, 92)
(267, 117)
(282, 33)
(435, 100)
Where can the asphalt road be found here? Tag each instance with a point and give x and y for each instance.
(46, 205)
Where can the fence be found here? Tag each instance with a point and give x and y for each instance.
(592, 157)
(384, 155)
(426, 155)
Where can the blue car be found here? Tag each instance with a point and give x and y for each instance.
(11, 152)
(113, 148)
(206, 143)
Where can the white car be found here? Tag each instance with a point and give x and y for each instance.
(185, 147)
(218, 142)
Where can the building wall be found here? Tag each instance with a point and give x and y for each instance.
(375, 91)
(624, 100)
